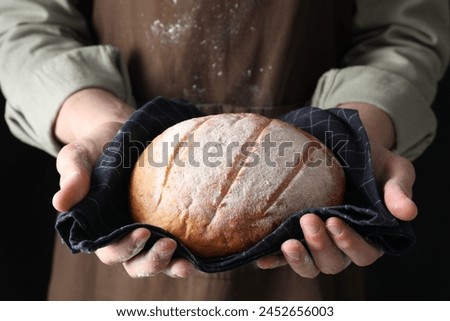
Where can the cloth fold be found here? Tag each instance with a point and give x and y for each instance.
(103, 215)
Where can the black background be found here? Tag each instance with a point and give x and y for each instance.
(29, 180)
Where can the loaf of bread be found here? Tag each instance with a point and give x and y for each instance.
(221, 183)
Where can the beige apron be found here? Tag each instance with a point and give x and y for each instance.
(262, 56)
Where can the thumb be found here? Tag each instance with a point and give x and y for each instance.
(74, 166)
(399, 176)
(75, 162)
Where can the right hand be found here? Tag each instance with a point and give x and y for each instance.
(86, 122)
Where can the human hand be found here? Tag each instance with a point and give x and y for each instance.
(332, 244)
(87, 121)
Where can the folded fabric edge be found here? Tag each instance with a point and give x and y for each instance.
(381, 236)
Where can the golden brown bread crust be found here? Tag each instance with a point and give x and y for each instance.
(221, 183)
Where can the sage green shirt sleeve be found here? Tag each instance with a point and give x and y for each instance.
(46, 54)
(399, 54)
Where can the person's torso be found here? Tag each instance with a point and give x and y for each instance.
(262, 56)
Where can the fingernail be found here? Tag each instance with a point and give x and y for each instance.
(165, 248)
(138, 246)
(336, 230)
(183, 273)
(311, 228)
(293, 255)
(276, 263)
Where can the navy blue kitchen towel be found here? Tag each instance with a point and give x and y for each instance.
(103, 215)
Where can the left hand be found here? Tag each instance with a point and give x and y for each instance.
(332, 244)
(85, 124)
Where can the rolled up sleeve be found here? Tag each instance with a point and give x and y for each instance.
(399, 54)
(46, 54)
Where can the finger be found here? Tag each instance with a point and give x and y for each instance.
(328, 258)
(398, 203)
(74, 165)
(270, 262)
(299, 259)
(125, 248)
(400, 177)
(352, 244)
(396, 175)
(152, 262)
(179, 268)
